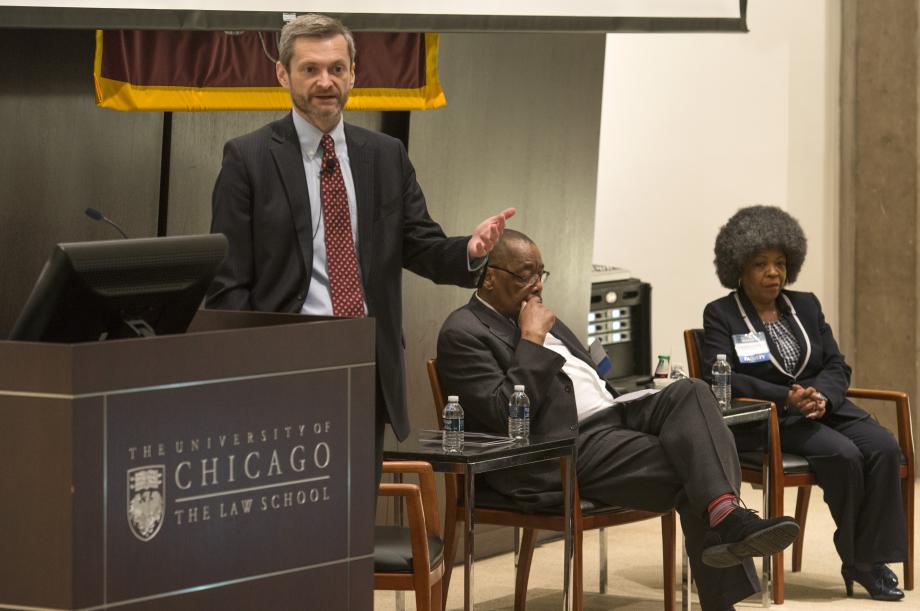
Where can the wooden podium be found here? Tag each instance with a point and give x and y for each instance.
(227, 468)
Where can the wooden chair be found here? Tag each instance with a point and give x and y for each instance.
(790, 470)
(412, 558)
(494, 508)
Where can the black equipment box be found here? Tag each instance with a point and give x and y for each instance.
(620, 317)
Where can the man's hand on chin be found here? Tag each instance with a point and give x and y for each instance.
(535, 320)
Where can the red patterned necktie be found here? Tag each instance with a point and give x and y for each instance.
(341, 262)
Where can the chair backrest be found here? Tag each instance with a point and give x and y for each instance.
(693, 344)
(436, 393)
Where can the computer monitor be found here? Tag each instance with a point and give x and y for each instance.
(90, 291)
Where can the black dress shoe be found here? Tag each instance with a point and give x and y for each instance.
(743, 534)
(874, 585)
(887, 576)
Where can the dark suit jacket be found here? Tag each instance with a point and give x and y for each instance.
(261, 204)
(825, 368)
(480, 358)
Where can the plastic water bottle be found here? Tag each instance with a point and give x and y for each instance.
(722, 382)
(452, 438)
(663, 370)
(519, 414)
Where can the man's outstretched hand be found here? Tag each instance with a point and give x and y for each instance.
(487, 234)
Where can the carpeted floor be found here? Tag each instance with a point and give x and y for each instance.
(634, 572)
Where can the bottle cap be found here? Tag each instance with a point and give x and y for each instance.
(664, 356)
(518, 388)
(453, 399)
(720, 357)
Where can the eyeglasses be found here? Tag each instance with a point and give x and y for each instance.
(524, 282)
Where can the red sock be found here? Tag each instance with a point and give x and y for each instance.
(721, 507)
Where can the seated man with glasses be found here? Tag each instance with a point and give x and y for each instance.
(656, 452)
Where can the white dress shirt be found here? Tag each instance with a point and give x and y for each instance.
(591, 394)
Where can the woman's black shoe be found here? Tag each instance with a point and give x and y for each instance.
(887, 575)
(874, 585)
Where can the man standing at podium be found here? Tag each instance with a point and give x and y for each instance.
(322, 216)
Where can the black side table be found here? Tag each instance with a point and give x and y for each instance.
(473, 460)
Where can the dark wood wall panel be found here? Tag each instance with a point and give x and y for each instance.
(60, 154)
(197, 150)
(520, 129)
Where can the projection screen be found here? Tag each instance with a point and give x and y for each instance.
(389, 15)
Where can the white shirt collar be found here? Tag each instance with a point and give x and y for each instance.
(486, 303)
(489, 305)
(309, 136)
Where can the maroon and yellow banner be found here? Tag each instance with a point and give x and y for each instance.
(193, 71)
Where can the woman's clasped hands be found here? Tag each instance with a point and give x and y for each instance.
(809, 401)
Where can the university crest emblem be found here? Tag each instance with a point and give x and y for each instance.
(146, 500)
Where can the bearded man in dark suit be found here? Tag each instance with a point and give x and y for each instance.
(657, 452)
(322, 216)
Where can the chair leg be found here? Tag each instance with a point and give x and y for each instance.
(668, 553)
(423, 597)
(907, 494)
(436, 602)
(779, 589)
(602, 560)
(801, 514)
(450, 549)
(686, 577)
(578, 573)
(522, 575)
(517, 544)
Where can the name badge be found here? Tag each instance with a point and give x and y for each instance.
(751, 347)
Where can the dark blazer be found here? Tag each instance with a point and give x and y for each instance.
(261, 204)
(825, 368)
(480, 358)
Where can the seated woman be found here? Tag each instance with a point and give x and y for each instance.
(781, 349)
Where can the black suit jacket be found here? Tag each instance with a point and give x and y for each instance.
(480, 358)
(261, 204)
(825, 368)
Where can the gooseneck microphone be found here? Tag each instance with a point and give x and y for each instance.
(98, 216)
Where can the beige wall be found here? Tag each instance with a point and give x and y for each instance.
(815, 110)
(695, 127)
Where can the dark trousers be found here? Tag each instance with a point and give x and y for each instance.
(856, 463)
(669, 450)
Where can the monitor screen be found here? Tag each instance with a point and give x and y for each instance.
(90, 291)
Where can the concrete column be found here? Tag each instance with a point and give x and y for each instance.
(878, 214)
